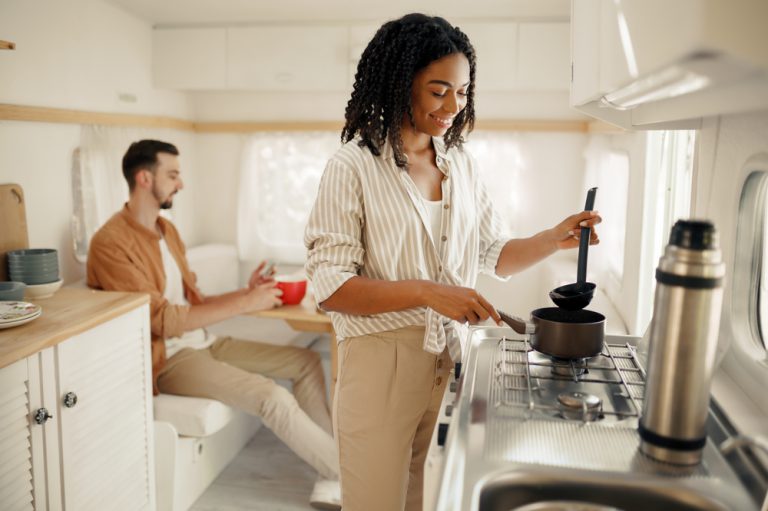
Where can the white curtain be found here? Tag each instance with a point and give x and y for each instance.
(281, 173)
(279, 179)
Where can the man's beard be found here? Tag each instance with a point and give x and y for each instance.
(167, 203)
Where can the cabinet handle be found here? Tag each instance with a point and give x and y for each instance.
(70, 399)
(42, 416)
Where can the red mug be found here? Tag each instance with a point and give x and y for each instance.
(293, 287)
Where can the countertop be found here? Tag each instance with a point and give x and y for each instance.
(68, 312)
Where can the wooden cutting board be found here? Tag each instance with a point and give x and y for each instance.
(13, 223)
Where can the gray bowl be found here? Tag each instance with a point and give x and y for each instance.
(33, 266)
(12, 291)
(33, 254)
(35, 278)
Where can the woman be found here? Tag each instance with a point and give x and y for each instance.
(398, 233)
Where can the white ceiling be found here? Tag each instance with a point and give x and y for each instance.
(211, 12)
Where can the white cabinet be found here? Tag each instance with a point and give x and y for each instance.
(496, 49)
(543, 62)
(522, 57)
(190, 58)
(259, 58)
(656, 64)
(92, 447)
(287, 58)
(17, 399)
(512, 56)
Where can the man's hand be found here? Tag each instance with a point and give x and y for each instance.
(566, 234)
(260, 276)
(462, 304)
(262, 296)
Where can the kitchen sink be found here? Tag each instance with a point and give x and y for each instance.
(553, 492)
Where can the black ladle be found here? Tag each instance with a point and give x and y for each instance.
(577, 296)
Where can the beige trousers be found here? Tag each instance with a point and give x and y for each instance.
(387, 398)
(239, 374)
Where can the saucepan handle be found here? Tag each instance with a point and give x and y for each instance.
(518, 324)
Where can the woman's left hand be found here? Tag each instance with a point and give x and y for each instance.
(567, 233)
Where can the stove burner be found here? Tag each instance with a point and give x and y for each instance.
(570, 368)
(580, 406)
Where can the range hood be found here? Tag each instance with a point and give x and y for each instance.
(660, 64)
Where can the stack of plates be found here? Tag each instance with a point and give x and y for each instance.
(17, 313)
(33, 265)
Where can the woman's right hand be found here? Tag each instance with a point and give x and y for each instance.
(462, 304)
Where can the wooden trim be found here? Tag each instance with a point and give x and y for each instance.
(60, 115)
(7, 45)
(532, 125)
(602, 127)
(250, 127)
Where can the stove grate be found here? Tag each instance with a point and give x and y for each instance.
(526, 379)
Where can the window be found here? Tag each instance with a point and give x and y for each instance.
(751, 265)
(669, 158)
(608, 170)
(278, 186)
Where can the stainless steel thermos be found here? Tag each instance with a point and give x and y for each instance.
(683, 344)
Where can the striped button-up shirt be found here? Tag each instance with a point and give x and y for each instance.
(369, 220)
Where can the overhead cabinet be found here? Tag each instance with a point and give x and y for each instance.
(292, 58)
(512, 56)
(190, 58)
(654, 64)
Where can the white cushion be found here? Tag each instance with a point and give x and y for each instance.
(217, 267)
(192, 416)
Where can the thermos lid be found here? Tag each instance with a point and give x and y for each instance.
(693, 235)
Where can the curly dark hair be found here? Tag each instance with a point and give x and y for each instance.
(382, 92)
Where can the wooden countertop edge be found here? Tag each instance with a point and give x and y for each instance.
(28, 342)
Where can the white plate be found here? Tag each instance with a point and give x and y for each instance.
(11, 312)
(11, 324)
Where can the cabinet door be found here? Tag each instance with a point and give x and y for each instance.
(496, 49)
(22, 453)
(190, 58)
(288, 58)
(544, 62)
(106, 441)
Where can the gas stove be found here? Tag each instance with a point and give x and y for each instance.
(607, 387)
(517, 411)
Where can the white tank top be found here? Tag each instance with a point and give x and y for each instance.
(435, 214)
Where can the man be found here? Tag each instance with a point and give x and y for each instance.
(137, 250)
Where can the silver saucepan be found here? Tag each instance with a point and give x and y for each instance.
(562, 333)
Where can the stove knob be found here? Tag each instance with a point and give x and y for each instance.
(457, 370)
(448, 410)
(442, 432)
(452, 386)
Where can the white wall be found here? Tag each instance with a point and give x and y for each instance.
(79, 54)
(726, 145)
(546, 159)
